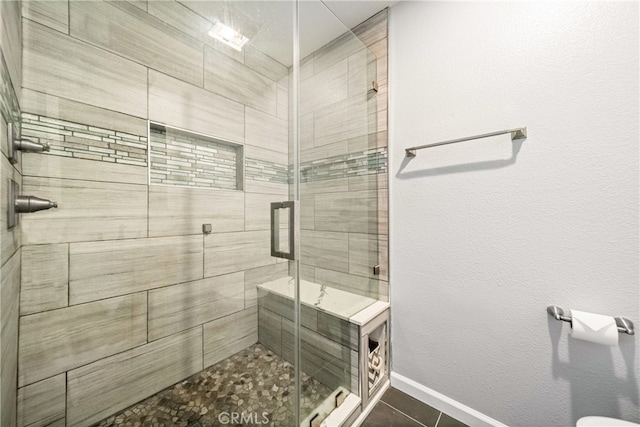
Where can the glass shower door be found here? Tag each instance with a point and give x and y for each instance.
(336, 180)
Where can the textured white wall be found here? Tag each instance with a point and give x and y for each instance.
(483, 240)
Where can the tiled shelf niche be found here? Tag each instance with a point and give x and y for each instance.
(182, 158)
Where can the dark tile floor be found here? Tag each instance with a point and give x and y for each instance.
(397, 409)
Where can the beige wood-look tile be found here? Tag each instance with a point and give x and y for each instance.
(283, 307)
(91, 75)
(9, 302)
(45, 278)
(258, 210)
(307, 133)
(325, 87)
(368, 182)
(182, 211)
(379, 49)
(11, 42)
(230, 252)
(363, 254)
(180, 104)
(383, 211)
(264, 64)
(177, 308)
(266, 154)
(270, 330)
(266, 131)
(48, 166)
(42, 403)
(321, 358)
(335, 51)
(87, 210)
(259, 275)
(102, 388)
(373, 29)
(323, 152)
(325, 186)
(126, 30)
(10, 238)
(140, 4)
(56, 107)
(383, 256)
(259, 186)
(234, 80)
(362, 72)
(368, 142)
(267, 187)
(4, 145)
(353, 211)
(338, 330)
(51, 13)
(359, 285)
(306, 67)
(325, 249)
(106, 269)
(351, 118)
(59, 340)
(226, 336)
(308, 273)
(282, 108)
(307, 211)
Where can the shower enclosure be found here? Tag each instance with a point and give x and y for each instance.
(218, 253)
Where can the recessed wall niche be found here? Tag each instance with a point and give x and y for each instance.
(178, 157)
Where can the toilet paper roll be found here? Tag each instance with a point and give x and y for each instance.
(594, 327)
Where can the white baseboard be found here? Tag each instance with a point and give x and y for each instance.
(443, 403)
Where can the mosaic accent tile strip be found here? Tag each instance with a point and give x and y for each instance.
(255, 384)
(366, 162)
(9, 107)
(69, 139)
(262, 170)
(183, 158)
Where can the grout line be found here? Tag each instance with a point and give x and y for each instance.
(204, 236)
(147, 323)
(66, 395)
(438, 420)
(411, 418)
(68, 274)
(68, 18)
(136, 346)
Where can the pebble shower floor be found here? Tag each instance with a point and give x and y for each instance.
(254, 382)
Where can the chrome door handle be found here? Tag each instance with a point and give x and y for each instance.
(292, 205)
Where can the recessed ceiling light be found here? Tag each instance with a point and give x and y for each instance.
(228, 36)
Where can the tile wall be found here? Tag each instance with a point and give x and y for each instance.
(344, 162)
(328, 347)
(122, 294)
(10, 239)
(119, 283)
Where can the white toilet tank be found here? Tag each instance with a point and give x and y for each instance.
(604, 422)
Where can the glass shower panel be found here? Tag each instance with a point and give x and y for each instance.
(167, 146)
(338, 174)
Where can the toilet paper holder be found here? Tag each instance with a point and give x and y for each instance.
(624, 325)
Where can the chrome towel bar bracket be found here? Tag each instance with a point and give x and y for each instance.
(624, 325)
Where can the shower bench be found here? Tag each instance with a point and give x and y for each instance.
(343, 340)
